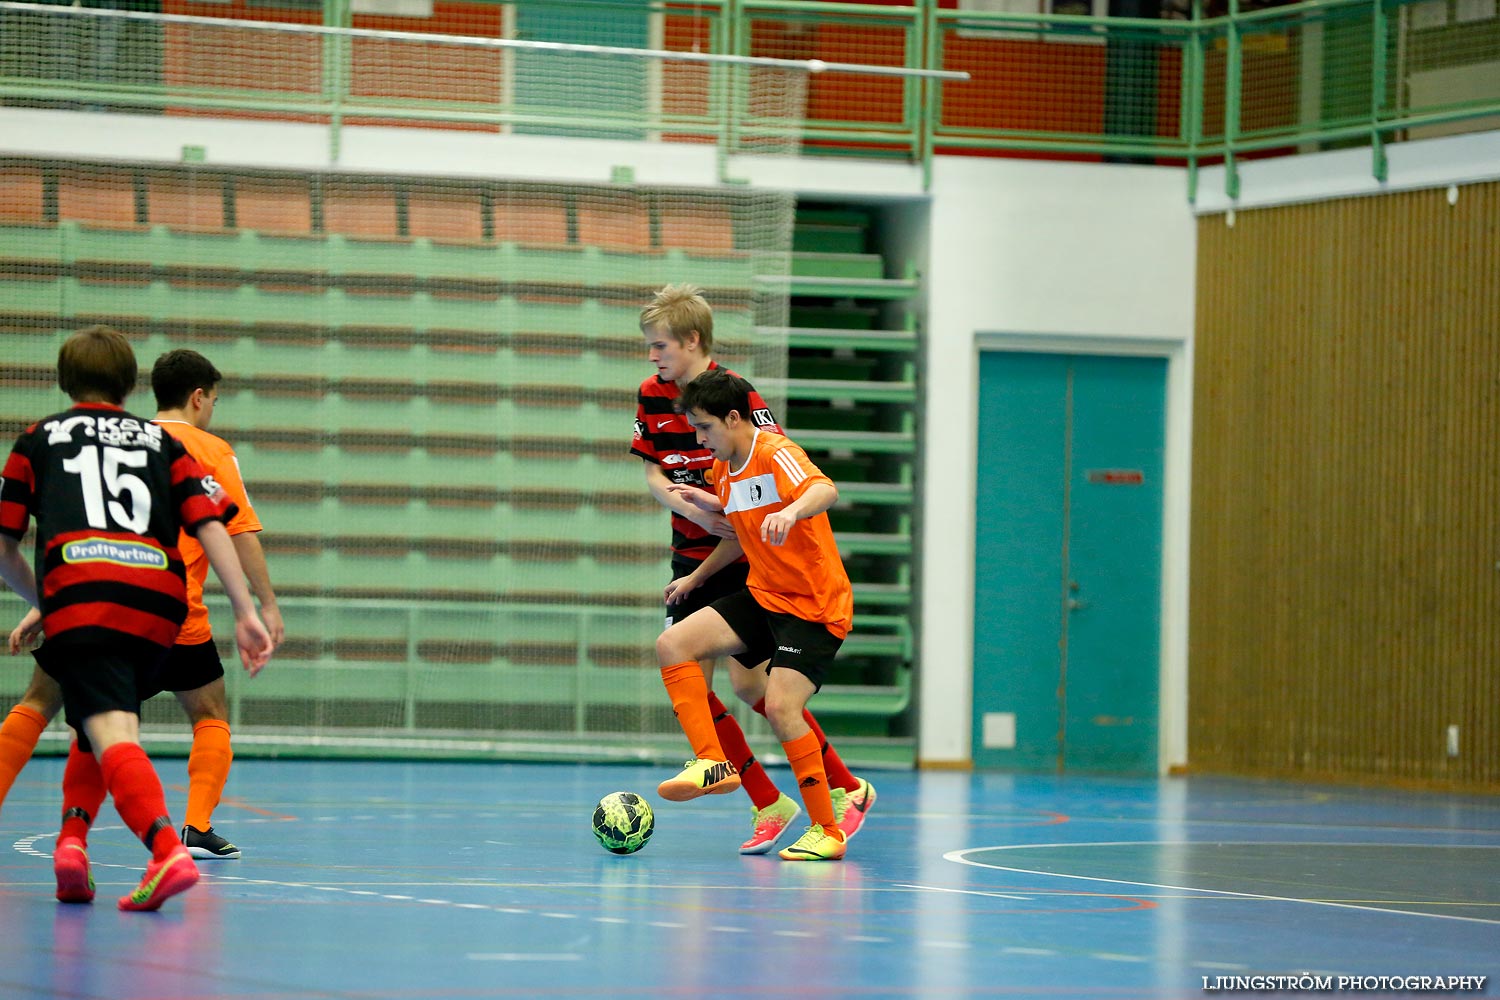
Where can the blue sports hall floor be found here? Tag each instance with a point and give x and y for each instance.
(421, 881)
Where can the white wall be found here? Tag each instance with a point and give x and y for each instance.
(1046, 256)
(1060, 257)
(1348, 173)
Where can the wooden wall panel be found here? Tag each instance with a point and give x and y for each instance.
(1346, 491)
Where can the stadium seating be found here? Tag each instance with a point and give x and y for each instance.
(360, 207)
(688, 222)
(280, 205)
(194, 203)
(98, 196)
(851, 403)
(453, 215)
(417, 376)
(22, 193)
(614, 222)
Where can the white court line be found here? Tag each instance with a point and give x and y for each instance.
(27, 846)
(521, 956)
(959, 858)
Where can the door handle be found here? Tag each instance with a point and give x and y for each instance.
(1073, 603)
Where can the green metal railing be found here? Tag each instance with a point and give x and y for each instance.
(1209, 89)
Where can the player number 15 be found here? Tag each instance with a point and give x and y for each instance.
(96, 476)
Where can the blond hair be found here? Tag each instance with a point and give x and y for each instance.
(683, 309)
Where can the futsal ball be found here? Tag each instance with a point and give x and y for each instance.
(623, 822)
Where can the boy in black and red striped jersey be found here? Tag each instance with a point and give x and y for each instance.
(186, 387)
(678, 327)
(110, 492)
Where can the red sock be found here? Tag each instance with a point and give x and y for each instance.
(136, 789)
(753, 778)
(834, 767)
(83, 793)
(18, 736)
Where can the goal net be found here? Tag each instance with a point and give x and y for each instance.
(403, 244)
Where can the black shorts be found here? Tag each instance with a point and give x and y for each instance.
(187, 668)
(100, 677)
(729, 580)
(786, 640)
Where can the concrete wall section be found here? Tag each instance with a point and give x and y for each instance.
(1044, 256)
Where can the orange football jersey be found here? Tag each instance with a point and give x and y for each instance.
(804, 576)
(217, 459)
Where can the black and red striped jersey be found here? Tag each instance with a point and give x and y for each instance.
(664, 436)
(109, 492)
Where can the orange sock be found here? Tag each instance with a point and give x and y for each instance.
(806, 758)
(18, 736)
(834, 767)
(208, 770)
(753, 777)
(689, 693)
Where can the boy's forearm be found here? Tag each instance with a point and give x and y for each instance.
(658, 483)
(16, 571)
(818, 498)
(726, 552)
(226, 563)
(253, 562)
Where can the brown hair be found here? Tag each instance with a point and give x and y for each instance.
(96, 364)
(716, 392)
(683, 309)
(177, 374)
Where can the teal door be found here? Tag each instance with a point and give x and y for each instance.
(1067, 596)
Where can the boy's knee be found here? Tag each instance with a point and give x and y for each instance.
(749, 685)
(44, 697)
(210, 702)
(669, 647)
(781, 711)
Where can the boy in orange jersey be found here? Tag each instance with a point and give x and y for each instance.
(186, 387)
(796, 609)
(678, 325)
(111, 495)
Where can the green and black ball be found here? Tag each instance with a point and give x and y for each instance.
(623, 822)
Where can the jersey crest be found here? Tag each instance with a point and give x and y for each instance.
(752, 493)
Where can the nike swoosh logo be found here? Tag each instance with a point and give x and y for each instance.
(145, 891)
